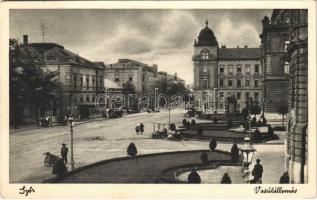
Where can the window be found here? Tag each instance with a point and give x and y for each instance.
(220, 94)
(87, 99)
(230, 69)
(239, 83)
(93, 82)
(205, 55)
(239, 69)
(238, 106)
(205, 84)
(286, 68)
(247, 69)
(116, 79)
(93, 99)
(286, 44)
(75, 82)
(100, 82)
(221, 105)
(81, 82)
(130, 78)
(256, 83)
(81, 99)
(247, 96)
(247, 82)
(256, 68)
(238, 95)
(221, 69)
(87, 82)
(205, 70)
(256, 96)
(230, 82)
(221, 82)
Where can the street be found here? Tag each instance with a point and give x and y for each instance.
(102, 140)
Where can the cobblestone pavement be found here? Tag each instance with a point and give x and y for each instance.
(100, 140)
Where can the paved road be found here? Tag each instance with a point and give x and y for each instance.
(27, 147)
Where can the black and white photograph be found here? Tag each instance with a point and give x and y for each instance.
(160, 96)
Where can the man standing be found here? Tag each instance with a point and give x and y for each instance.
(141, 128)
(257, 172)
(64, 152)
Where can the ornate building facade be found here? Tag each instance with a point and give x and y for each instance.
(224, 72)
(274, 41)
(297, 131)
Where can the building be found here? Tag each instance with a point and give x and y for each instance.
(274, 40)
(141, 75)
(297, 57)
(80, 82)
(224, 72)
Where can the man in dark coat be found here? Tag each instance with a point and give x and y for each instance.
(141, 128)
(59, 168)
(285, 178)
(64, 152)
(257, 172)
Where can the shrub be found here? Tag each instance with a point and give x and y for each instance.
(212, 144)
(234, 153)
(184, 122)
(200, 131)
(225, 179)
(132, 151)
(193, 177)
(204, 158)
(172, 127)
(230, 123)
(215, 120)
(59, 168)
(193, 123)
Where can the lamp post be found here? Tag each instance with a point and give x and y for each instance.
(71, 124)
(247, 152)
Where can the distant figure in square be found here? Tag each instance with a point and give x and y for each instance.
(137, 129)
(257, 172)
(141, 128)
(285, 178)
(64, 152)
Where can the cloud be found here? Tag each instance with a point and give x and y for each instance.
(244, 34)
(177, 30)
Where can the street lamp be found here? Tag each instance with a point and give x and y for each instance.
(247, 152)
(71, 124)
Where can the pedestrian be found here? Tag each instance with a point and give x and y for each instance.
(65, 120)
(141, 128)
(64, 152)
(285, 178)
(47, 120)
(137, 129)
(257, 172)
(193, 177)
(225, 179)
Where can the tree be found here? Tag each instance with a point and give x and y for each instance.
(283, 110)
(225, 179)
(30, 85)
(212, 144)
(132, 150)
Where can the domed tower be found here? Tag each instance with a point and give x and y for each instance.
(205, 62)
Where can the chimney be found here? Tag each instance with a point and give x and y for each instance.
(245, 46)
(25, 39)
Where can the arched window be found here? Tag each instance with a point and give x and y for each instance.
(87, 99)
(205, 69)
(205, 55)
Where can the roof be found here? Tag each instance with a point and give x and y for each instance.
(206, 37)
(55, 53)
(239, 53)
(111, 84)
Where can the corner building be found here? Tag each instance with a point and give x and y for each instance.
(223, 72)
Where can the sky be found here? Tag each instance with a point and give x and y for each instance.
(162, 37)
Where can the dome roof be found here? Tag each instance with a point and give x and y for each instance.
(206, 37)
